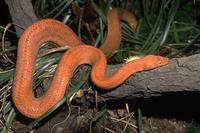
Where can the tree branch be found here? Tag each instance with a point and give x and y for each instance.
(181, 75)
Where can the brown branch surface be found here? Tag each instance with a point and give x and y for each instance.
(180, 75)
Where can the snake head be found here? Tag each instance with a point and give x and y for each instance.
(153, 61)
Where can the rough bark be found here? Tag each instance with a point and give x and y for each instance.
(180, 75)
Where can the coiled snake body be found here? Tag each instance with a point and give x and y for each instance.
(52, 30)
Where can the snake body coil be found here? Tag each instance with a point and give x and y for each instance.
(52, 30)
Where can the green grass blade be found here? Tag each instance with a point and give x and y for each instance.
(5, 76)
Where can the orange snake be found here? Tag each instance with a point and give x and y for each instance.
(55, 31)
